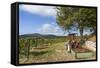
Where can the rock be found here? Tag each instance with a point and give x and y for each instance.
(90, 45)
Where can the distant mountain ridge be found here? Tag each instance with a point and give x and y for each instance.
(39, 35)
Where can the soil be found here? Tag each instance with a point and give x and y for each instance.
(53, 53)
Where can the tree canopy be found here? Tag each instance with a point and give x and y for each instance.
(80, 18)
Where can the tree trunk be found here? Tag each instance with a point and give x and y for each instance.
(81, 35)
(81, 32)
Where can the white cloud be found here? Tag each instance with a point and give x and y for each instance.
(40, 10)
(50, 29)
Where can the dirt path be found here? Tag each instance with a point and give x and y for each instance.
(61, 53)
(54, 53)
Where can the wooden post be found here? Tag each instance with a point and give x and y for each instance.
(27, 47)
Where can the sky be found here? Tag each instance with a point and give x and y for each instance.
(38, 19)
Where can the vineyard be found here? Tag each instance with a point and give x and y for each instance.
(40, 50)
(37, 48)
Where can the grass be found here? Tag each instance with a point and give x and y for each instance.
(52, 53)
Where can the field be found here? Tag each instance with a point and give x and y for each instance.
(60, 34)
(49, 50)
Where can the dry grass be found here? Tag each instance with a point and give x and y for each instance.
(54, 53)
(93, 38)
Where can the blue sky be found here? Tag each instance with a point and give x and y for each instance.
(38, 19)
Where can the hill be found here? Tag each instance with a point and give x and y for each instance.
(40, 36)
(92, 38)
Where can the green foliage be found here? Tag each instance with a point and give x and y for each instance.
(64, 17)
(25, 44)
(85, 18)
